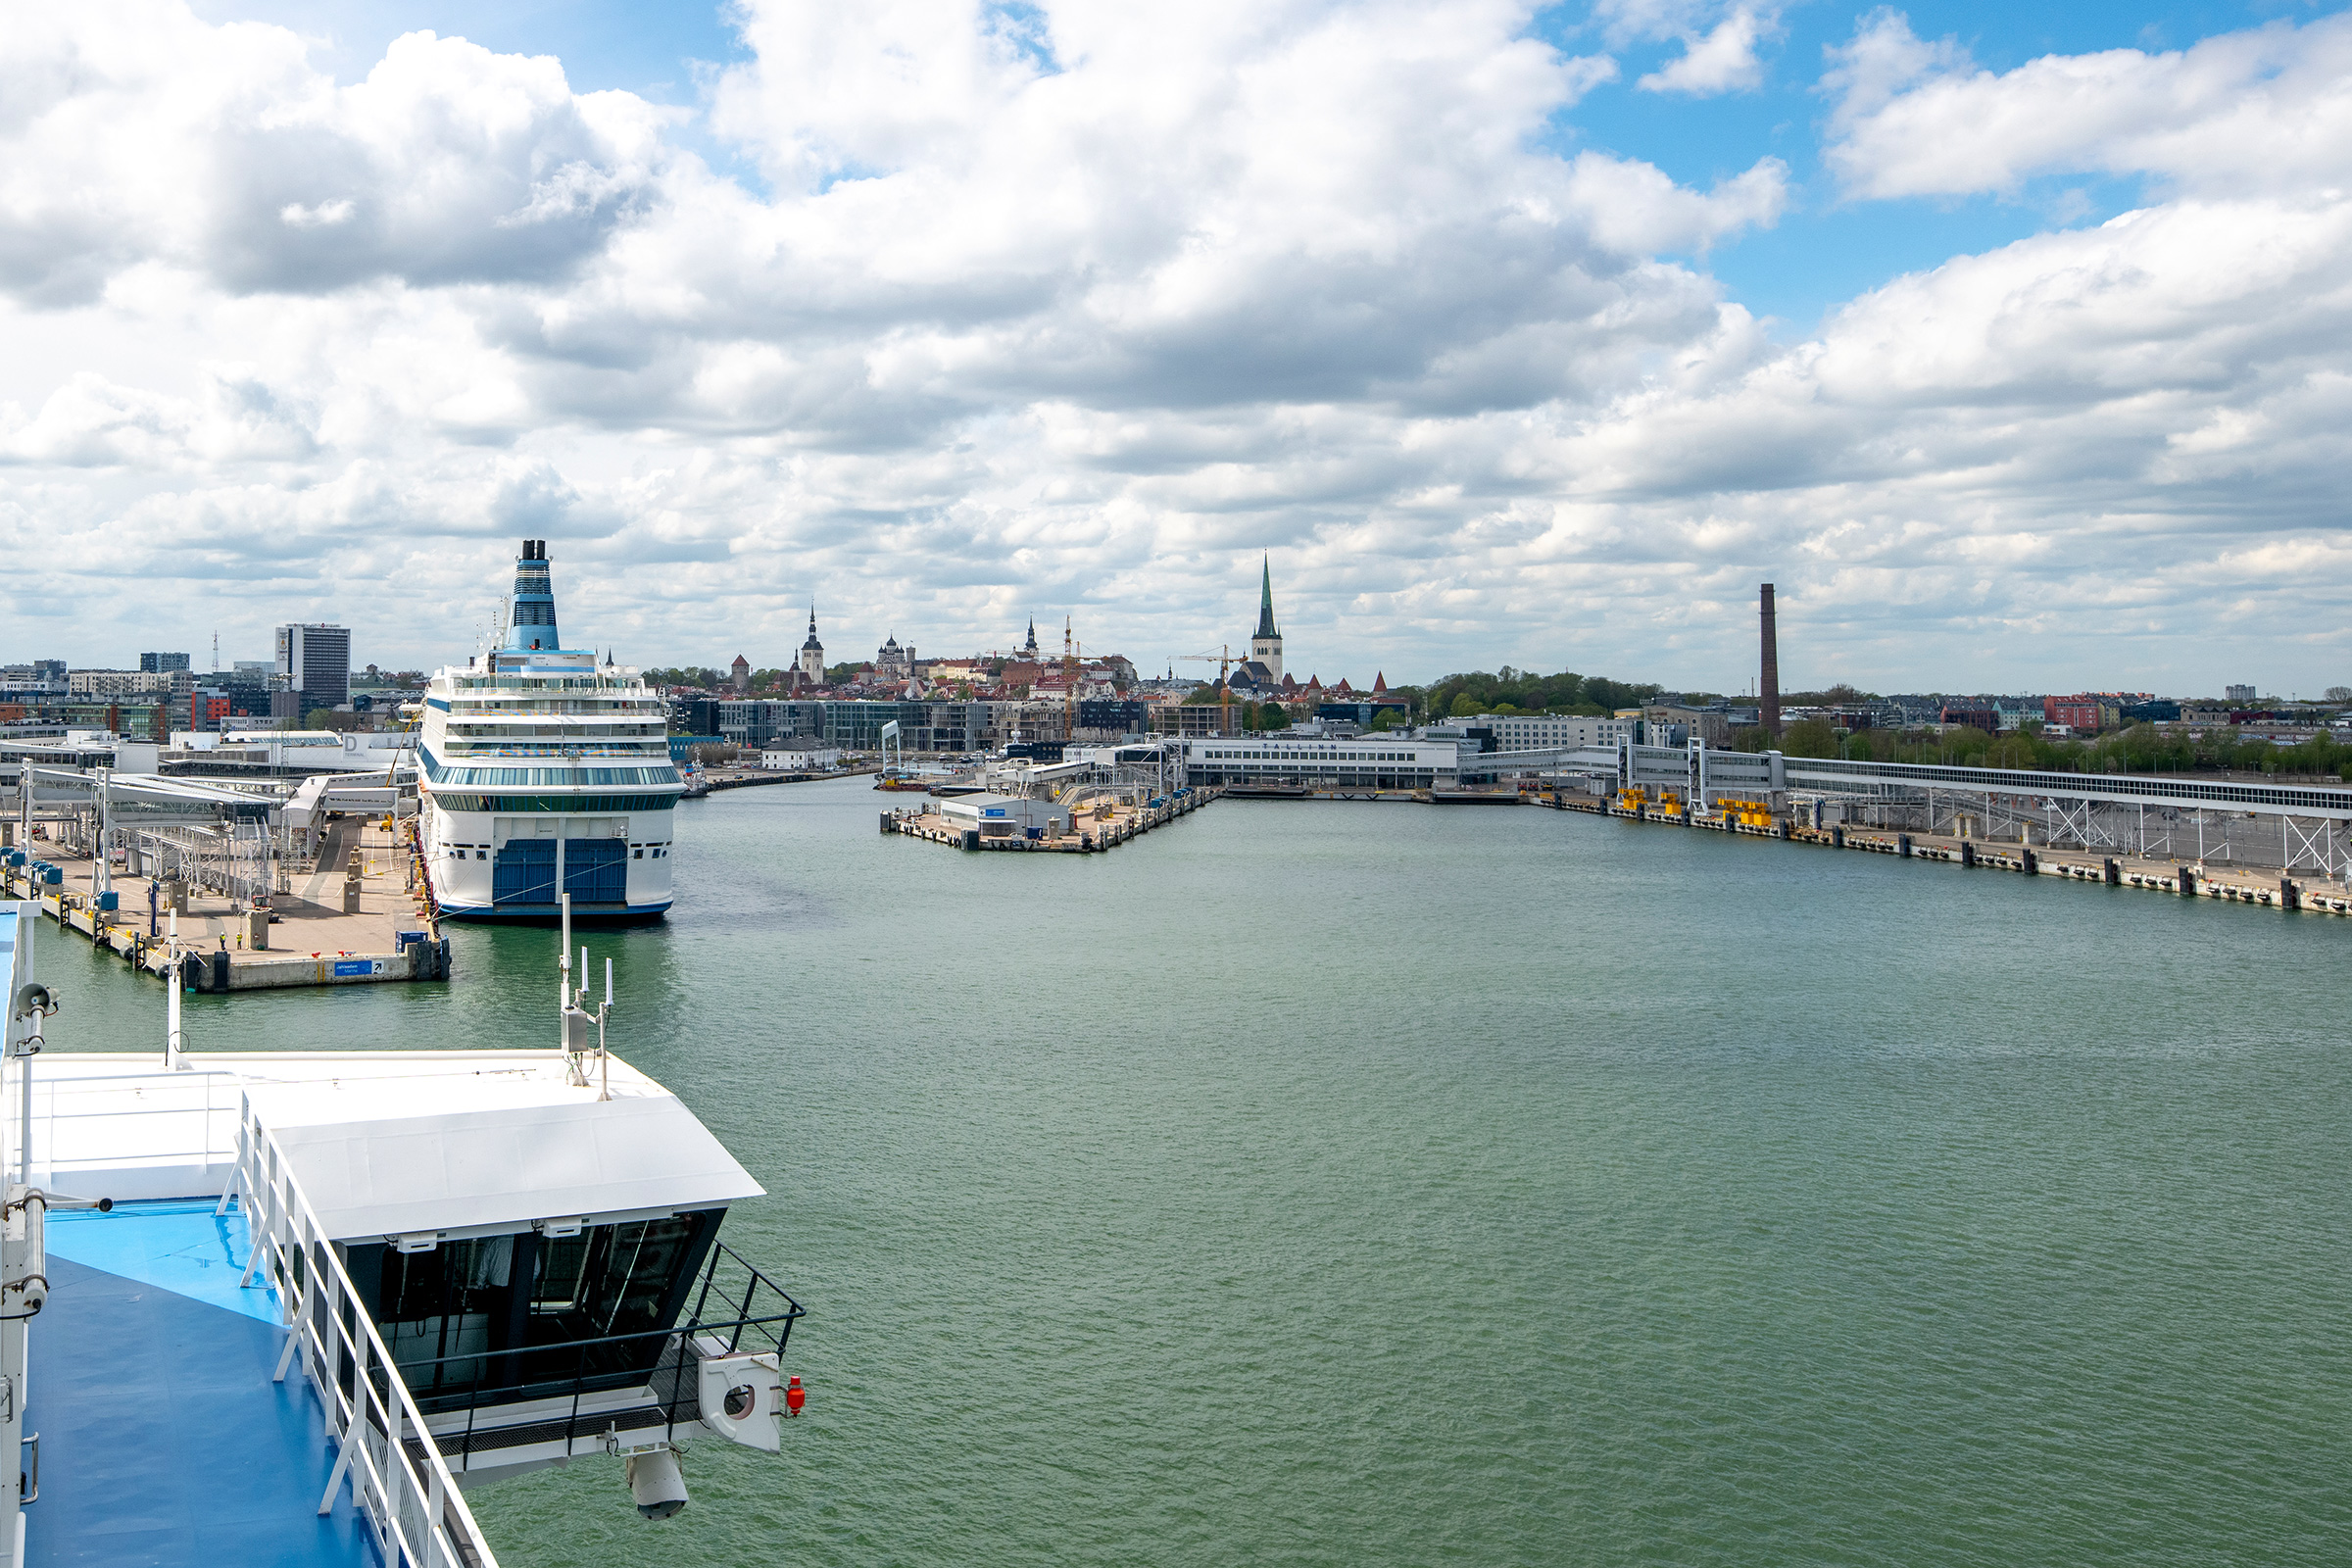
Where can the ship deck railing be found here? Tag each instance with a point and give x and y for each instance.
(736, 1310)
(418, 1518)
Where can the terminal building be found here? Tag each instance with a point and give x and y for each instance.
(1327, 763)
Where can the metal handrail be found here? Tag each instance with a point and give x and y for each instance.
(473, 1400)
(407, 1492)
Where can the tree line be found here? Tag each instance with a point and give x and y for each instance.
(2140, 749)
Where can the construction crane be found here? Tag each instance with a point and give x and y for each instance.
(1224, 661)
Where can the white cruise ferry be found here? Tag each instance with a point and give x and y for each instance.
(544, 772)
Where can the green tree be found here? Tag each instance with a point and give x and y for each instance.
(1273, 716)
(318, 718)
(1466, 707)
(1809, 737)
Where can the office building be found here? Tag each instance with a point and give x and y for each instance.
(315, 661)
(153, 663)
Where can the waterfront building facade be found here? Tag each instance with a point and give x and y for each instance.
(1324, 761)
(1532, 732)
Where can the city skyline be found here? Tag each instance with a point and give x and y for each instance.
(2004, 342)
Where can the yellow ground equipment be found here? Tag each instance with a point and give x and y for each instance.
(1745, 813)
(1666, 803)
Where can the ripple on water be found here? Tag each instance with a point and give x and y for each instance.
(1344, 1184)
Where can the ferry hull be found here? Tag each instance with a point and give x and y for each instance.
(505, 868)
(551, 913)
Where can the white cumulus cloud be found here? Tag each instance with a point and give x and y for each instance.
(1076, 310)
(2269, 109)
(1724, 59)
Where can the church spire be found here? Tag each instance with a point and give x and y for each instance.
(1265, 601)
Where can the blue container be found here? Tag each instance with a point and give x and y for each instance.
(110, 900)
(401, 939)
(15, 856)
(54, 875)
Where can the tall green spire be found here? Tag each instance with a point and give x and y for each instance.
(1265, 601)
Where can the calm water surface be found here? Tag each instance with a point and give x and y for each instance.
(1351, 1184)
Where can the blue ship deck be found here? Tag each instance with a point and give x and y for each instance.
(163, 1441)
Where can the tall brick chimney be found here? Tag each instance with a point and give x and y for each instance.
(1771, 692)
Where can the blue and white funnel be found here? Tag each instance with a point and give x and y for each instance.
(531, 623)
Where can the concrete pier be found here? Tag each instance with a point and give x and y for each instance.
(1091, 834)
(324, 931)
(2263, 887)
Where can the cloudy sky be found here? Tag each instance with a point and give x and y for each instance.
(2013, 342)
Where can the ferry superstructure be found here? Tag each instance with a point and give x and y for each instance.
(289, 1306)
(542, 772)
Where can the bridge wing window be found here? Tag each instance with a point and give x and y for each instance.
(450, 1302)
(453, 1317)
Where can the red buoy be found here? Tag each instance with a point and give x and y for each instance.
(795, 1396)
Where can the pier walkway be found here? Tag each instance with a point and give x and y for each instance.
(2319, 895)
(1101, 828)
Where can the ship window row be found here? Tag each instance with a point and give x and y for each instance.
(1294, 755)
(527, 682)
(598, 746)
(578, 805)
(529, 706)
(529, 777)
(532, 722)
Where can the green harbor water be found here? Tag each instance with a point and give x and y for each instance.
(1342, 1184)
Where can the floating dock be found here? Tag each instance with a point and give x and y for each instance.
(2180, 878)
(331, 927)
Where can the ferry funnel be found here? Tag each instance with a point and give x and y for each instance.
(531, 621)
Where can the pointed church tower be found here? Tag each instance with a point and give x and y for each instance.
(811, 665)
(1265, 645)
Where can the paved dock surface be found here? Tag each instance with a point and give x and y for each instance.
(310, 925)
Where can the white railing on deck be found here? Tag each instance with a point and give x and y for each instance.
(408, 1496)
(170, 1133)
